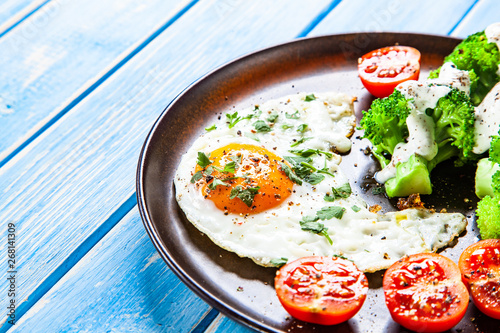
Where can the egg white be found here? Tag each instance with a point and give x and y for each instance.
(373, 241)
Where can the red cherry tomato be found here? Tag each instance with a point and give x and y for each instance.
(424, 292)
(480, 267)
(383, 69)
(321, 290)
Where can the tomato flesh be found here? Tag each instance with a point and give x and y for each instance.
(321, 290)
(480, 267)
(383, 69)
(424, 293)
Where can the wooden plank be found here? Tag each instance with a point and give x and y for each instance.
(482, 15)
(101, 159)
(70, 181)
(60, 52)
(428, 16)
(12, 12)
(132, 290)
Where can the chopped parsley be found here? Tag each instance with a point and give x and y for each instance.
(203, 159)
(197, 176)
(209, 170)
(236, 159)
(378, 190)
(309, 98)
(273, 117)
(355, 208)
(210, 128)
(310, 166)
(329, 212)
(309, 152)
(262, 127)
(295, 115)
(314, 178)
(216, 182)
(343, 191)
(290, 174)
(233, 118)
(302, 128)
(278, 262)
(230, 167)
(246, 195)
(303, 168)
(340, 256)
(298, 142)
(310, 223)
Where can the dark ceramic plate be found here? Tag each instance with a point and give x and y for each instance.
(236, 286)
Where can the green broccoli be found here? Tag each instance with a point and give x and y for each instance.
(487, 178)
(385, 126)
(488, 188)
(481, 59)
(412, 176)
(484, 174)
(454, 131)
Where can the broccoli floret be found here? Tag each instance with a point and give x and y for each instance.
(412, 177)
(488, 217)
(452, 132)
(385, 126)
(487, 178)
(488, 188)
(481, 59)
(484, 175)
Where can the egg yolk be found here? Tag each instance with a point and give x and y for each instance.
(245, 179)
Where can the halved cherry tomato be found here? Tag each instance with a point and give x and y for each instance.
(424, 292)
(383, 69)
(321, 290)
(480, 267)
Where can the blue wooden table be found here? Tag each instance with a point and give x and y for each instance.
(81, 84)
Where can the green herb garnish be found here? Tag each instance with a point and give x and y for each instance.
(278, 262)
(309, 98)
(197, 176)
(310, 223)
(233, 118)
(295, 115)
(298, 142)
(343, 191)
(246, 195)
(262, 127)
(310, 152)
(273, 117)
(327, 213)
(211, 128)
(216, 182)
(290, 174)
(302, 128)
(203, 159)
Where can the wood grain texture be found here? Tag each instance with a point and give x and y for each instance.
(428, 16)
(483, 14)
(60, 51)
(14, 11)
(71, 179)
(131, 290)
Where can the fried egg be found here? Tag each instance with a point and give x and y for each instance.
(266, 183)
